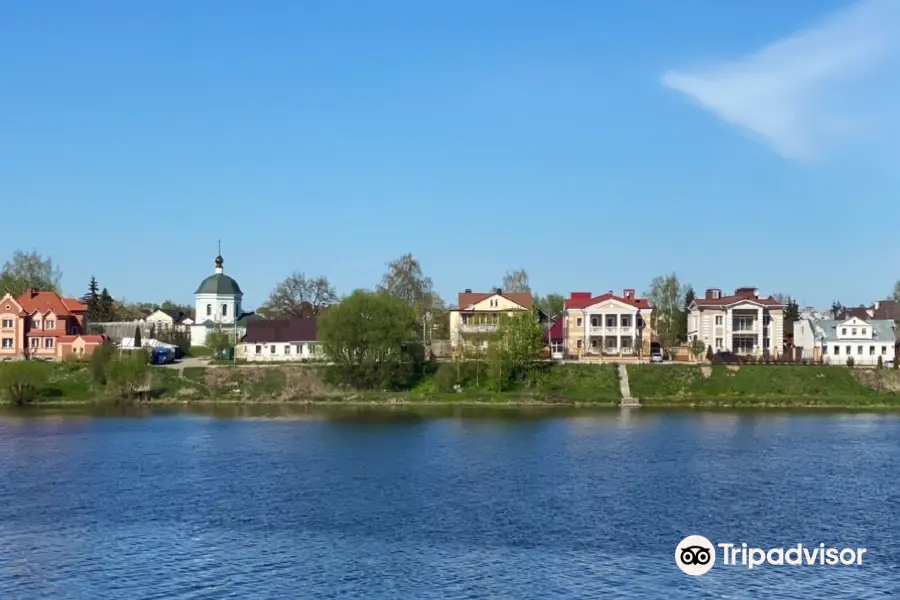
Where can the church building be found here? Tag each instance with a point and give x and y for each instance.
(217, 305)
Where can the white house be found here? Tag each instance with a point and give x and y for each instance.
(168, 319)
(280, 340)
(217, 305)
(742, 323)
(864, 340)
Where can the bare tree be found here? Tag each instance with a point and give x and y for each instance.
(515, 281)
(666, 296)
(299, 296)
(29, 270)
(896, 295)
(406, 280)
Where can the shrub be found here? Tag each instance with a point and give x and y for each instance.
(21, 380)
(100, 361)
(446, 377)
(850, 362)
(127, 374)
(880, 364)
(709, 353)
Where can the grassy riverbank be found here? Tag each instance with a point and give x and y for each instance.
(571, 384)
(764, 386)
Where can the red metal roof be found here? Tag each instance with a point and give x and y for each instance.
(584, 299)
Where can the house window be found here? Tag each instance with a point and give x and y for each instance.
(766, 343)
(209, 310)
(718, 342)
(35, 323)
(578, 344)
(853, 331)
(258, 349)
(863, 332)
(578, 322)
(7, 342)
(859, 350)
(7, 323)
(51, 324)
(843, 331)
(272, 349)
(48, 342)
(594, 342)
(849, 351)
(224, 310)
(287, 349)
(824, 349)
(719, 320)
(640, 323)
(884, 349)
(837, 350)
(871, 350)
(595, 322)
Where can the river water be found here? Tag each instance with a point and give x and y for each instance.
(451, 503)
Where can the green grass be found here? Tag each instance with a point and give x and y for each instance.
(582, 383)
(199, 351)
(753, 385)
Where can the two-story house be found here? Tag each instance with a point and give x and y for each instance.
(43, 325)
(607, 324)
(863, 340)
(478, 316)
(742, 323)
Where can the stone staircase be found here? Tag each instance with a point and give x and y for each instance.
(625, 388)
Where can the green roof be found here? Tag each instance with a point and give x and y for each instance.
(220, 284)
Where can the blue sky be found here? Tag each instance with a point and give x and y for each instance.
(595, 144)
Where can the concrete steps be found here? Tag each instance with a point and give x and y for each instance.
(628, 401)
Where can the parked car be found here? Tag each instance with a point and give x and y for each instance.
(656, 356)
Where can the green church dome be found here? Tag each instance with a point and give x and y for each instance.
(219, 283)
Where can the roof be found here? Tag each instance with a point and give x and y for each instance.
(740, 295)
(175, 315)
(242, 321)
(887, 309)
(860, 312)
(883, 330)
(467, 299)
(554, 332)
(88, 339)
(584, 299)
(45, 301)
(281, 330)
(219, 284)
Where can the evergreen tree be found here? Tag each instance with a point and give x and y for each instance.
(92, 300)
(152, 334)
(137, 336)
(106, 307)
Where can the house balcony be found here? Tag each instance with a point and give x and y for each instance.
(595, 330)
(478, 328)
(745, 327)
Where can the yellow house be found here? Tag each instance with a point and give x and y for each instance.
(608, 325)
(478, 315)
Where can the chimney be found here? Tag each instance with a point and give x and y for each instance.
(629, 294)
(713, 294)
(877, 304)
(467, 291)
(499, 291)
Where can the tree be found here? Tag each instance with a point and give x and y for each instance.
(515, 349)
(667, 296)
(896, 295)
(29, 270)
(299, 296)
(366, 337)
(137, 336)
(697, 348)
(553, 305)
(836, 310)
(152, 333)
(405, 281)
(880, 364)
(709, 353)
(515, 281)
(219, 341)
(106, 308)
(128, 374)
(20, 381)
(791, 311)
(100, 359)
(681, 334)
(92, 300)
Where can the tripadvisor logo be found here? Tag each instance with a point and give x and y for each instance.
(696, 555)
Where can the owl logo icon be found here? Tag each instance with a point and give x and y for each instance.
(695, 555)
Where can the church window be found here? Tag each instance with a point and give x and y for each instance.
(224, 310)
(208, 310)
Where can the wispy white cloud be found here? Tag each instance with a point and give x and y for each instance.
(826, 86)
